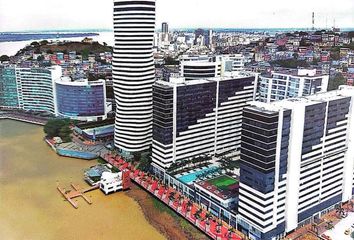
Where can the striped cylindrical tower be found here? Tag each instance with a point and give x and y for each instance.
(133, 73)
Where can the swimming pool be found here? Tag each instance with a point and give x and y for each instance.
(191, 177)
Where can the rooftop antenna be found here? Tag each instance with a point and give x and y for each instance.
(326, 23)
(313, 21)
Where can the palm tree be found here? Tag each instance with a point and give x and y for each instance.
(208, 216)
(230, 231)
(171, 198)
(329, 225)
(197, 216)
(180, 199)
(315, 228)
(340, 212)
(189, 206)
(219, 225)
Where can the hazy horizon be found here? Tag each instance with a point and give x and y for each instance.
(42, 15)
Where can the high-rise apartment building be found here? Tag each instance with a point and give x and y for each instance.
(133, 73)
(8, 88)
(285, 84)
(29, 88)
(297, 161)
(196, 117)
(81, 100)
(36, 88)
(164, 27)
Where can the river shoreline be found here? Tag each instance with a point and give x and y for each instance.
(156, 214)
(167, 222)
(32, 208)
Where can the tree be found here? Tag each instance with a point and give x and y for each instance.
(170, 61)
(337, 81)
(4, 58)
(53, 127)
(65, 133)
(34, 44)
(85, 53)
(145, 162)
(40, 58)
(44, 42)
(291, 63)
(335, 56)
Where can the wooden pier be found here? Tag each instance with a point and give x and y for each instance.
(76, 192)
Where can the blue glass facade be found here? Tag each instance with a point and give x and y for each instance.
(80, 101)
(193, 103)
(8, 88)
(163, 114)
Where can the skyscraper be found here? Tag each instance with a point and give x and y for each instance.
(197, 117)
(133, 73)
(296, 162)
(164, 27)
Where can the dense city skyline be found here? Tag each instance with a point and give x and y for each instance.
(196, 13)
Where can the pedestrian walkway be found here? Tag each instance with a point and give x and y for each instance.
(186, 208)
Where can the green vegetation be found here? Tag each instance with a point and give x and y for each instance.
(58, 128)
(65, 133)
(145, 161)
(185, 225)
(337, 81)
(223, 182)
(4, 58)
(95, 77)
(101, 161)
(110, 92)
(171, 61)
(44, 42)
(81, 48)
(188, 164)
(40, 58)
(85, 53)
(291, 63)
(34, 44)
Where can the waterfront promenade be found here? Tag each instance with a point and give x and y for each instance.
(192, 212)
(23, 118)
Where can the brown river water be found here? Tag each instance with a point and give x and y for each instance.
(32, 208)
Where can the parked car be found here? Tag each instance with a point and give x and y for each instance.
(347, 232)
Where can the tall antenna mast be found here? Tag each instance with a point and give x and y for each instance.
(313, 21)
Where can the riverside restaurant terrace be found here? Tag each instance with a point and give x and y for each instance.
(212, 226)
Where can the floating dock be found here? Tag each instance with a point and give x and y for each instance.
(76, 192)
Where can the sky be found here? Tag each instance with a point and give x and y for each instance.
(27, 15)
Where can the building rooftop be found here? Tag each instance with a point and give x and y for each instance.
(343, 92)
(295, 72)
(181, 81)
(224, 186)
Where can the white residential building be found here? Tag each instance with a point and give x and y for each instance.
(291, 83)
(297, 161)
